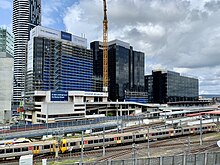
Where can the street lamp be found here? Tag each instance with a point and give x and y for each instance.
(200, 129)
(47, 119)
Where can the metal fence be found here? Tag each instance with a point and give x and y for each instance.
(18, 128)
(212, 158)
(192, 159)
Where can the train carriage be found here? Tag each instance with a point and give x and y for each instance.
(15, 151)
(178, 132)
(92, 142)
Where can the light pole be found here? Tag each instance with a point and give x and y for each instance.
(148, 142)
(134, 153)
(82, 145)
(200, 129)
(47, 119)
(189, 145)
(103, 154)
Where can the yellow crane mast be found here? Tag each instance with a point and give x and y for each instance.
(105, 49)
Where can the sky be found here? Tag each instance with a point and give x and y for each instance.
(176, 35)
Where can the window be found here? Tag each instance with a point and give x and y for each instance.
(2, 151)
(26, 148)
(126, 137)
(72, 143)
(10, 150)
(17, 150)
(46, 147)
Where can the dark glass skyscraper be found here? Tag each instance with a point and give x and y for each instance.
(126, 68)
(163, 87)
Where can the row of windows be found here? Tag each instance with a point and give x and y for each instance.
(67, 88)
(70, 83)
(11, 150)
(76, 65)
(73, 60)
(70, 70)
(74, 78)
(98, 141)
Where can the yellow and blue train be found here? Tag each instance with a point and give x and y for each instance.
(91, 142)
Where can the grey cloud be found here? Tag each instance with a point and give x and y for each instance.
(212, 5)
(173, 34)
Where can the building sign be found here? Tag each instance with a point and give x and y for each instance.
(66, 36)
(30, 56)
(95, 94)
(59, 96)
(46, 32)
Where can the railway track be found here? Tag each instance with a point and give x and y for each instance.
(171, 141)
(138, 127)
(123, 150)
(126, 150)
(163, 144)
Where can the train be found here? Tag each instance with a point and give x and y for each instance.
(9, 142)
(65, 145)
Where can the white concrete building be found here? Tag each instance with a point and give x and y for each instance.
(52, 106)
(6, 74)
(6, 86)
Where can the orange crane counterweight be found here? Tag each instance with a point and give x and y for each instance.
(105, 49)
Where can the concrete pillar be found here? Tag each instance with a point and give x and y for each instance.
(120, 110)
(161, 160)
(184, 159)
(205, 161)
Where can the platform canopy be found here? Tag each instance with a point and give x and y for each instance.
(215, 112)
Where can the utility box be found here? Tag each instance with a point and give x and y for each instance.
(44, 161)
(26, 160)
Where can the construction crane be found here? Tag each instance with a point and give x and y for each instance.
(105, 49)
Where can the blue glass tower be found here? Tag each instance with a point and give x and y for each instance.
(57, 61)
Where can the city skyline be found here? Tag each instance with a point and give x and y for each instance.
(182, 36)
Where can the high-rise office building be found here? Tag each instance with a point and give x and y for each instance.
(6, 74)
(57, 61)
(126, 70)
(26, 15)
(6, 42)
(168, 86)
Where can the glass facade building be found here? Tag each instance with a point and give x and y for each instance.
(6, 42)
(125, 69)
(163, 87)
(55, 64)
